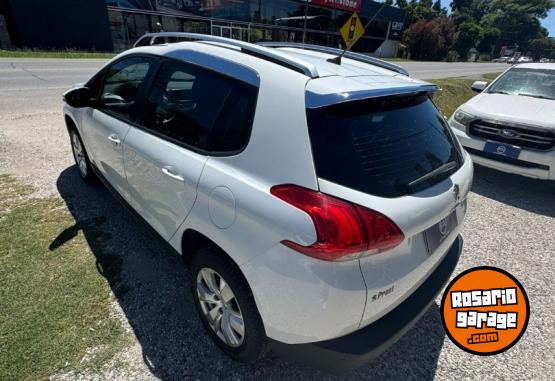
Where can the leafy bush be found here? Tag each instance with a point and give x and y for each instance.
(453, 56)
(431, 40)
(485, 58)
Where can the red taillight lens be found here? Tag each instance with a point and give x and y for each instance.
(343, 230)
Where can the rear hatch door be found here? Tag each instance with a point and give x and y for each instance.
(395, 154)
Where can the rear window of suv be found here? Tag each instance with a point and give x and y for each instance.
(388, 147)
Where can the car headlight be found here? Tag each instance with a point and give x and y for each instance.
(463, 117)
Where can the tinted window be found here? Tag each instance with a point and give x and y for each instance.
(122, 83)
(200, 108)
(382, 146)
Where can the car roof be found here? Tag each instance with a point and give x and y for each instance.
(319, 60)
(327, 82)
(539, 66)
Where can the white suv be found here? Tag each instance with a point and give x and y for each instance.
(318, 203)
(510, 126)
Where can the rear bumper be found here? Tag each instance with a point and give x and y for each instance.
(356, 349)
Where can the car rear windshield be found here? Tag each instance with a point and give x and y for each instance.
(388, 147)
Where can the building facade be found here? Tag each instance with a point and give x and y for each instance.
(55, 24)
(259, 20)
(115, 25)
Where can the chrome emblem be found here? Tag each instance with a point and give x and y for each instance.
(457, 192)
(501, 150)
(443, 227)
(509, 134)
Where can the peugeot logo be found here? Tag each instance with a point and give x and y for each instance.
(457, 192)
(443, 227)
(509, 134)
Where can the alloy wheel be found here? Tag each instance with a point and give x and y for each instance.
(79, 154)
(220, 307)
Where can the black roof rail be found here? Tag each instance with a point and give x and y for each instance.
(262, 52)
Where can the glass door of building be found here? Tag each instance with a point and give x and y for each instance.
(231, 31)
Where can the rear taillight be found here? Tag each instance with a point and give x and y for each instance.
(344, 230)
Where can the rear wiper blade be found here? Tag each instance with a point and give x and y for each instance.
(536, 96)
(436, 172)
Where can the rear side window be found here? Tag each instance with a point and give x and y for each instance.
(387, 147)
(200, 108)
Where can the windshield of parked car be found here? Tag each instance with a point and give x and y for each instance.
(538, 83)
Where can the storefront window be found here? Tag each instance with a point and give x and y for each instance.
(284, 19)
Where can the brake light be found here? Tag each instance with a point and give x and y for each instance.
(344, 230)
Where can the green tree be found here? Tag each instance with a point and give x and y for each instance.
(540, 47)
(437, 6)
(488, 40)
(457, 5)
(469, 35)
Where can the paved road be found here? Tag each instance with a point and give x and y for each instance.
(18, 74)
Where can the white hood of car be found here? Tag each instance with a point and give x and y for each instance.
(513, 108)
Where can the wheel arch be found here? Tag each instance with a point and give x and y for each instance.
(192, 241)
(70, 123)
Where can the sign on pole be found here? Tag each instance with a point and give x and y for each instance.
(345, 5)
(352, 30)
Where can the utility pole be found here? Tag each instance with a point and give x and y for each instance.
(305, 20)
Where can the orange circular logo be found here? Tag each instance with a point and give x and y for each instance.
(485, 311)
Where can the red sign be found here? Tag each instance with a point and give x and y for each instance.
(346, 5)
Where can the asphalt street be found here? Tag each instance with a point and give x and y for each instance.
(510, 225)
(27, 74)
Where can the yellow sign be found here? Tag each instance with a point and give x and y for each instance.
(352, 30)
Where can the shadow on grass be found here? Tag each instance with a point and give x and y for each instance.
(151, 286)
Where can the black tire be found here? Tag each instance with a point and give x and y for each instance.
(82, 160)
(255, 342)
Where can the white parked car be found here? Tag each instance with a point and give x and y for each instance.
(524, 59)
(510, 126)
(318, 205)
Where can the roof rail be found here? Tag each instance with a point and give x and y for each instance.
(351, 55)
(262, 52)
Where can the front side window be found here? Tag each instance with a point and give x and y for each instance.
(200, 108)
(122, 83)
(526, 82)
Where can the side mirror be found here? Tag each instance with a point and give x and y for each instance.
(479, 86)
(78, 97)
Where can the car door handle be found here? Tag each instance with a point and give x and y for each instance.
(114, 139)
(168, 172)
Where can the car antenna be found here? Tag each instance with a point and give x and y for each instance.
(337, 60)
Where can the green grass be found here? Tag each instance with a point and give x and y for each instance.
(52, 54)
(54, 304)
(455, 92)
(491, 76)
